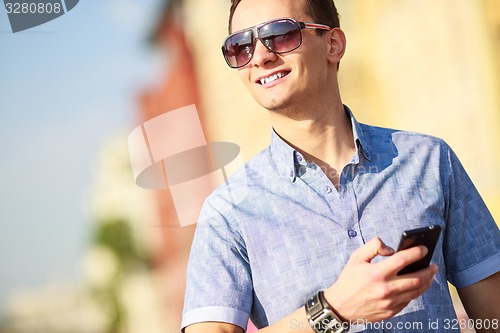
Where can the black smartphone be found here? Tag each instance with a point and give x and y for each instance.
(427, 236)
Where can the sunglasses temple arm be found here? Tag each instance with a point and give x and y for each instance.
(310, 25)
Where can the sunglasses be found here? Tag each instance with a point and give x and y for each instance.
(278, 36)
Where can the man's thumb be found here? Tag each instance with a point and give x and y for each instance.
(372, 249)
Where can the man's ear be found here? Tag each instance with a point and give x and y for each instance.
(336, 45)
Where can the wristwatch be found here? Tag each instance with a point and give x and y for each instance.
(321, 316)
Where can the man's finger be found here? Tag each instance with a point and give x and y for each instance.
(420, 290)
(401, 259)
(413, 281)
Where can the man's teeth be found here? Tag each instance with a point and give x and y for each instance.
(272, 78)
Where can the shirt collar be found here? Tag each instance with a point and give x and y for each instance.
(289, 160)
(360, 141)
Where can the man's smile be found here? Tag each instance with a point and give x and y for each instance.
(272, 79)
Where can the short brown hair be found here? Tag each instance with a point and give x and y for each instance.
(321, 11)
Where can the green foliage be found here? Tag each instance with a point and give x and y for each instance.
(116, 235)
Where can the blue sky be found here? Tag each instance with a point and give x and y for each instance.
(65, 87)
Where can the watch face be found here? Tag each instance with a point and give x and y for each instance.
(327, 321)
(330, 324)
(334, 325)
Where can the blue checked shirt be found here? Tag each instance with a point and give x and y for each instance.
(279, 230)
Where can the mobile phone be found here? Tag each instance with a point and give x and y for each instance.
(427, 236)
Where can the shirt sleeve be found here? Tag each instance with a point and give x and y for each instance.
(219, 286)
(471, 237)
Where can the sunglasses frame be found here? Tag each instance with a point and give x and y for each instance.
(255, 35)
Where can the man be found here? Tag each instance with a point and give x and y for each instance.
(309, 213)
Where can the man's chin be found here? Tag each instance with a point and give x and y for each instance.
(274, 104)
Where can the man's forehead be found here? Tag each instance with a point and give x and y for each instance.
(253, 12)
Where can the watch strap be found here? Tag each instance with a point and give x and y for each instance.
(321, 316)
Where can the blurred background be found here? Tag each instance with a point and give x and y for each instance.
(84, 249)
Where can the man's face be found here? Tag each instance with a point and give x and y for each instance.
(303, 70)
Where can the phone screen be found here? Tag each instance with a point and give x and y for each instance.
(427, 236)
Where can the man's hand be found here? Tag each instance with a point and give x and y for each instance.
(375, 292)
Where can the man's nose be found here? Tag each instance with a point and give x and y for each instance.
(261, 54)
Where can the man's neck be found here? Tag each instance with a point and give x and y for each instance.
(323, 136)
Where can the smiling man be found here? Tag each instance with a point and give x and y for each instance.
(304, 249)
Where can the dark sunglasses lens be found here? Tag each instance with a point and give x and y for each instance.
(238, 49)
(281, 36)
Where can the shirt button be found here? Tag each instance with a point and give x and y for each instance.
(299, 158)
(352, 233)
(328, 189)
(292, 173)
